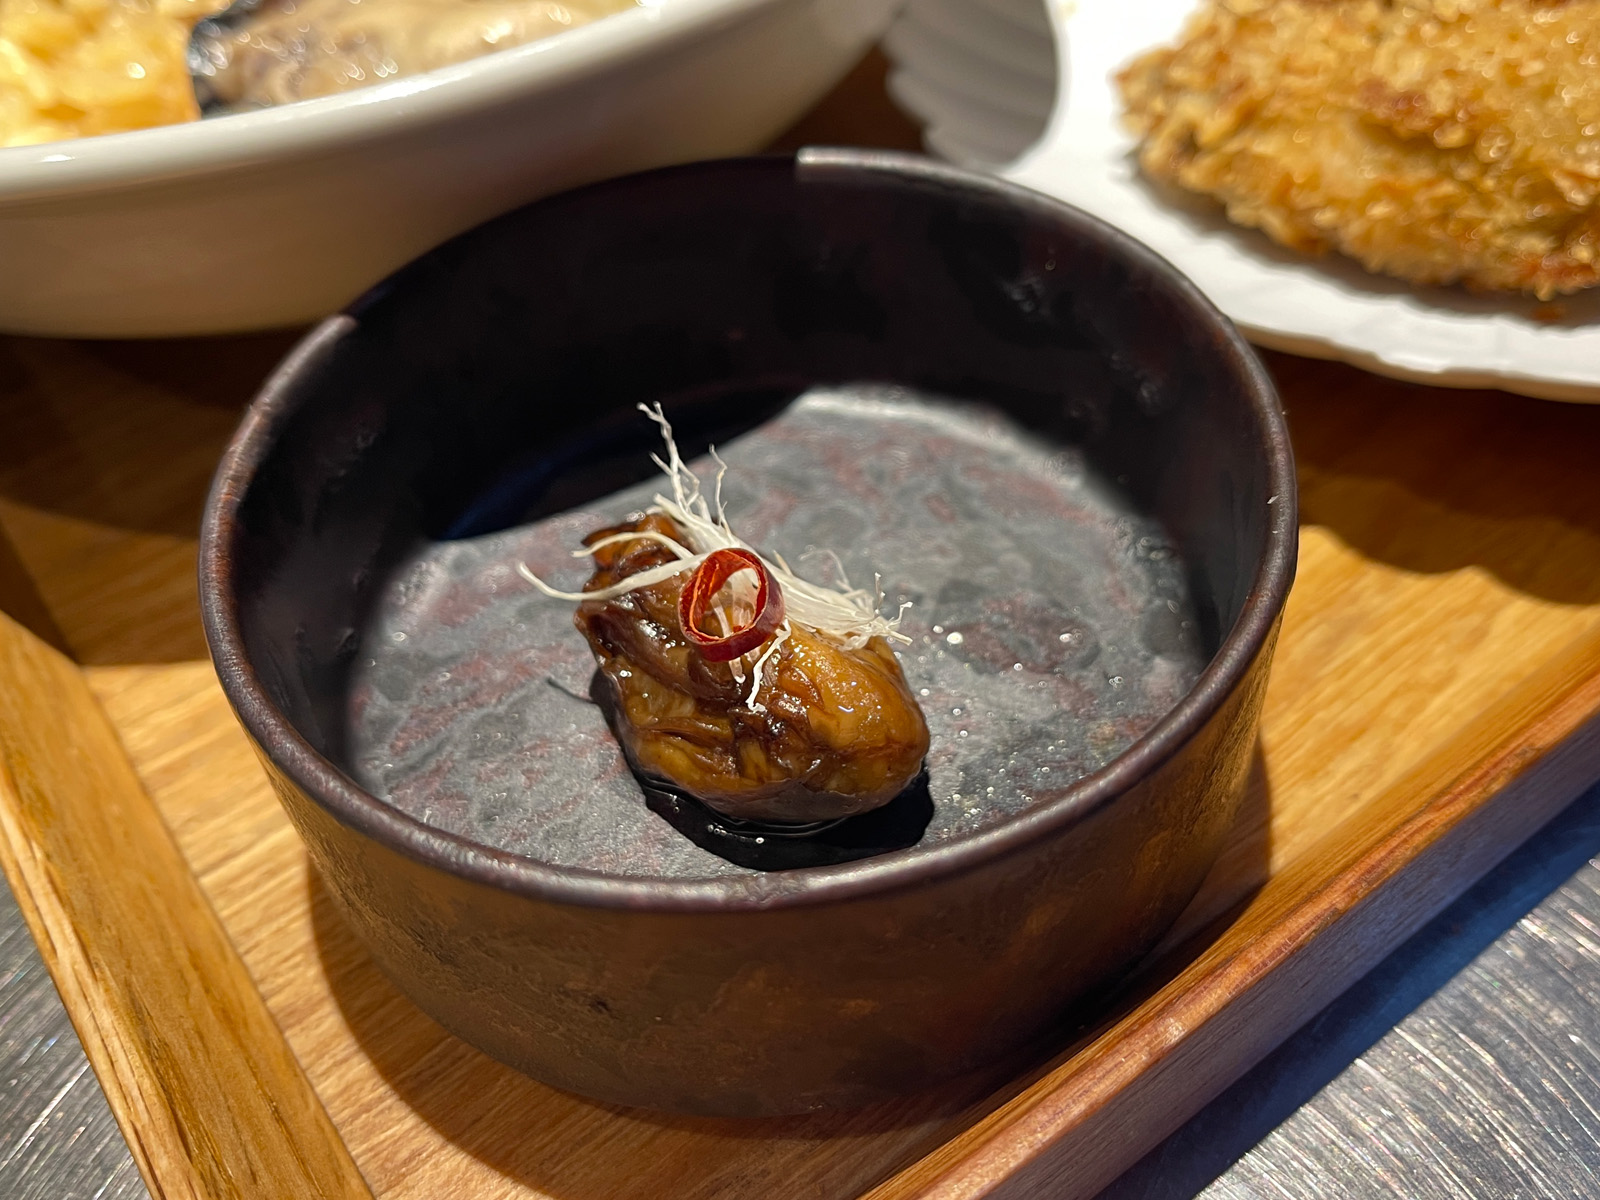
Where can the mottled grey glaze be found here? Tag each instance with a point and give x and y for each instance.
(1049, 622)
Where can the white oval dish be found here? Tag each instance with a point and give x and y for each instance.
(276, 217)
(1077, 150)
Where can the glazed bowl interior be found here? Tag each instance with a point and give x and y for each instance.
(1045, 441)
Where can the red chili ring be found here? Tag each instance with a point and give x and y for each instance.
(715, 570)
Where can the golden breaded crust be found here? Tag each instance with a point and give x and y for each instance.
(1456, 141)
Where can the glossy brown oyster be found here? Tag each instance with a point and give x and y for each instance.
(835, 731)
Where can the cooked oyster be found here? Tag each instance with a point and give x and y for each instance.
(761, 694)
(831, 732)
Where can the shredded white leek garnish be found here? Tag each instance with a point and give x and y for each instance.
(848, 615)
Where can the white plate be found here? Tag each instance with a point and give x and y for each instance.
(960, 69)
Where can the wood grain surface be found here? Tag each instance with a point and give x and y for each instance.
(1433, 701)
(214, 1104)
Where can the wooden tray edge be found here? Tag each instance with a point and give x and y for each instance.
(199, 1076)
(1094, 1114)
(69, 799)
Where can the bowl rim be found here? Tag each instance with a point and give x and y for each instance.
(347, 802)
(216, 145)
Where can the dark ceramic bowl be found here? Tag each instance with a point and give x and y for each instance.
(1042, 436)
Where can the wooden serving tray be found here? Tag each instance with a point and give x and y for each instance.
(1435, 700)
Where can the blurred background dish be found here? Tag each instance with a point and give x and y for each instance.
(278, 216)
(74, 69)
(260, 52)
(1442, 142)
(78, 68)
(1069, 141)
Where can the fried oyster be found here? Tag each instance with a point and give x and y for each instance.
(1456, 141)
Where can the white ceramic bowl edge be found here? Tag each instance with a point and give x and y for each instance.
(278, 217)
